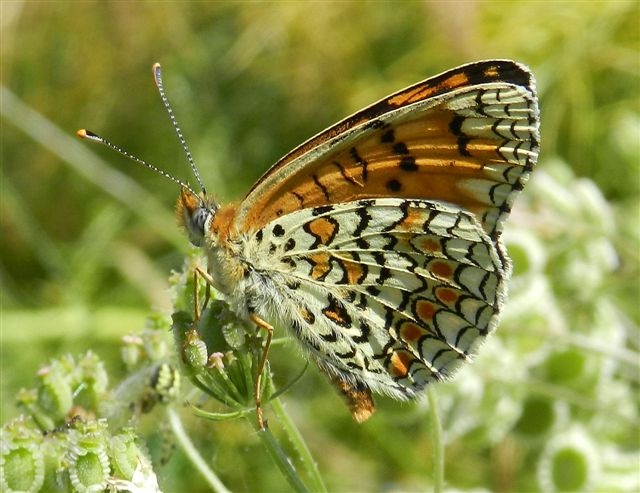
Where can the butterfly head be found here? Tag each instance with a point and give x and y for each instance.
(195, 213)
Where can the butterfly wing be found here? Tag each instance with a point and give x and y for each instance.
(386, 294)
(468, 136)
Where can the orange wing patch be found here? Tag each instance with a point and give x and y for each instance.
(467, 137)
(441, 269)
(354, 271)
(413, 159)
(323, 230)
(399, 363)
(446, 295)
(321, 266)
(427, 90)
(426, 310)
(428, 245)
(411, 333)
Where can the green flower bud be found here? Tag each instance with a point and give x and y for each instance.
(126, 454)
(90, 380)
(87, 457)
(55, 392)
(22, 466)
(194, 351)
(131, 350)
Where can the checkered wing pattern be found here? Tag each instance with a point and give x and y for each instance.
(387, 294)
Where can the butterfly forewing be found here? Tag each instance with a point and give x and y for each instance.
(444, 139)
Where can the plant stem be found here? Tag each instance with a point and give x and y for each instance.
(191, 452)
(294, 436)
(279, 456)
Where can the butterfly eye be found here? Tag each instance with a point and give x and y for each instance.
(196, 221)
(195, 213)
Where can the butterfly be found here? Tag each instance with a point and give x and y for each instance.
(377, 242)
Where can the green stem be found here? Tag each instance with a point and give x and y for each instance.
(438, 445)
(279, 456)
(294, 436)
(191, 452)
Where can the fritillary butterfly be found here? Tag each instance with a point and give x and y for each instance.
(376, 243)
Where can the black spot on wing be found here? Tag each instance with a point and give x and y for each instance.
(337, 312)
(393, 185)
(323, 209)
(455, 127)
(400, 148)
(408, 163)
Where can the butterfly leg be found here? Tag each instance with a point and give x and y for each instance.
(263, 361)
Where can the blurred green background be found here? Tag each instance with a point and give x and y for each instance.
(88, 239)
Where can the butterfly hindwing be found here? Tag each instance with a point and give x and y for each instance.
(386, 293)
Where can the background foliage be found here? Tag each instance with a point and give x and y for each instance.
(87, 239)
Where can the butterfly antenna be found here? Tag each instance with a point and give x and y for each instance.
(93, 137)
(157, 77)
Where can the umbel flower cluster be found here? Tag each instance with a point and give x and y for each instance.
(70, 436)
(76, 433)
